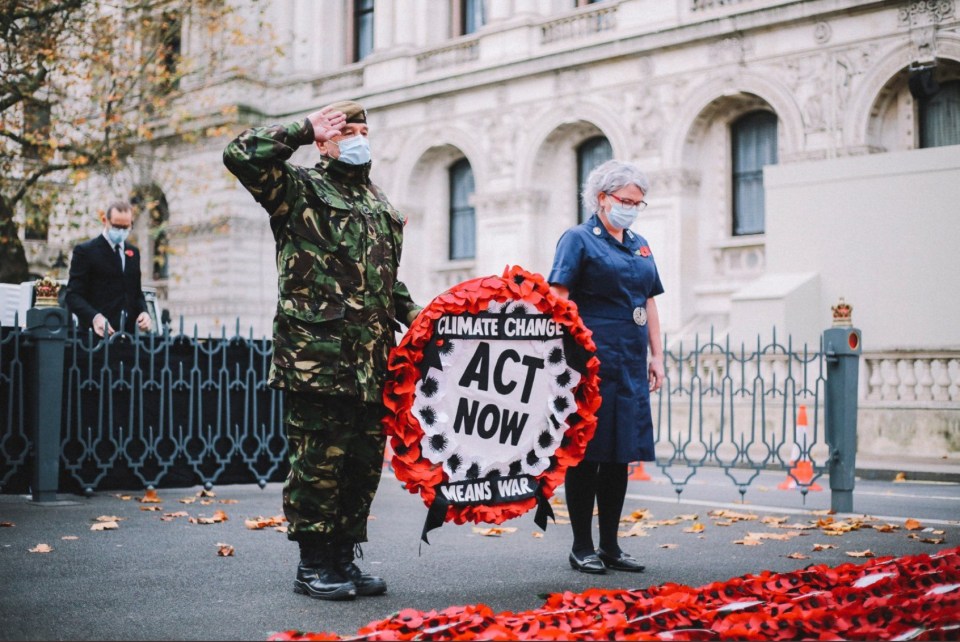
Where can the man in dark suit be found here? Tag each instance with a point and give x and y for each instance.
(105, 278)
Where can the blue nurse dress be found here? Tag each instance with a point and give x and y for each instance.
(610, 282)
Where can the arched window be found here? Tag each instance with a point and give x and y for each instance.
(754, 145)
(463, 229)
(940, 116)
(152, 204)
(590, 153)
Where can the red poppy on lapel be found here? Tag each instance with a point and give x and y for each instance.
(129, 252)
(644, 251)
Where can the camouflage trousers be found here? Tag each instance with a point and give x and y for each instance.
(335, 447)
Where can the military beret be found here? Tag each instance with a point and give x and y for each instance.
(354, 111)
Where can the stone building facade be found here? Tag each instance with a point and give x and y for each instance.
(798, 152)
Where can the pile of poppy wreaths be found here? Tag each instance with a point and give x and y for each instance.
(907, 598)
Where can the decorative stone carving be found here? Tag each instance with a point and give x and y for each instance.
(822, 32)
(733, 49)
(919, 13)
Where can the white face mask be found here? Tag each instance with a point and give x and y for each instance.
(621, 216)
(117, 236)
(354, 150)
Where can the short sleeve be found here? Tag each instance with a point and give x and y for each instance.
(567, 260)
(656, 288)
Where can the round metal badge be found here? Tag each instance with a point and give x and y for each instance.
(596, 231)
(640, 315)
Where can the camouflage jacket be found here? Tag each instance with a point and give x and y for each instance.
(338, 243)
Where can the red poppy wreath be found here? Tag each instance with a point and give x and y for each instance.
(491, 395)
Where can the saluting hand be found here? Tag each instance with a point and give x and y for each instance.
(327, 123)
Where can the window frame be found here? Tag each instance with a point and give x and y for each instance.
(580, 150)
(457, 212)
(740, 226)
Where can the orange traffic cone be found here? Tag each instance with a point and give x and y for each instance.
(801, 474)
(638, 473)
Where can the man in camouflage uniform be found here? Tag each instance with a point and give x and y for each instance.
(338, 245)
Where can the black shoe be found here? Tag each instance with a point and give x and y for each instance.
(366, 584)
(323, 583)
(589, 563)
(621, 562)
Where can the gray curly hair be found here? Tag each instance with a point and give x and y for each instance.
(609, 177)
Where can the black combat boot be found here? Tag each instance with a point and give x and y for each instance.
(366, 584)
(317, 575)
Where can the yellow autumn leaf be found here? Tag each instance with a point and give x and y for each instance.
(912, 525)
(696, 528)
(900, 477)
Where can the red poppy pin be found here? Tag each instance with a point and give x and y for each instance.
(129, 252)
(644, 251)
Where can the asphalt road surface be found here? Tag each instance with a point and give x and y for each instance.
(155, 579)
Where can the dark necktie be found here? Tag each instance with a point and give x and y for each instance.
(116, 250)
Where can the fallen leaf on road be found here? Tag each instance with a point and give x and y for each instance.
(900, 477)
(637, 530)
(148, 508)
(773, 520)
(825, 511)
(688, 518)
(866, 553)
(237, 501)
(69, 537)
(798, 556)
(179, 513)
(747, 541)
(495, 531)
(780, 537)
(41, 548)
(6, 524)
(109, 518)
(206, 493)
(884, 528)
(224, 550)
(662, 522)
(281, 529)
(125, 498)
(206, 502)
(150, 497)
(635, 516)
(926, 540)
(258, 522)
(723, 522)
(733, 515)
(696, 528)
(557, 501)
(822, 547)
(105, 526)
(218, 516)
(669, 545)
(187, 500)
(912, 525)
(537, 535)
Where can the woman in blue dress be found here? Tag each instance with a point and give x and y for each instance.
(609, 272)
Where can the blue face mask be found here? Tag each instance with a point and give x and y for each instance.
(354, 150)
(622, 217)
(117, 236)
